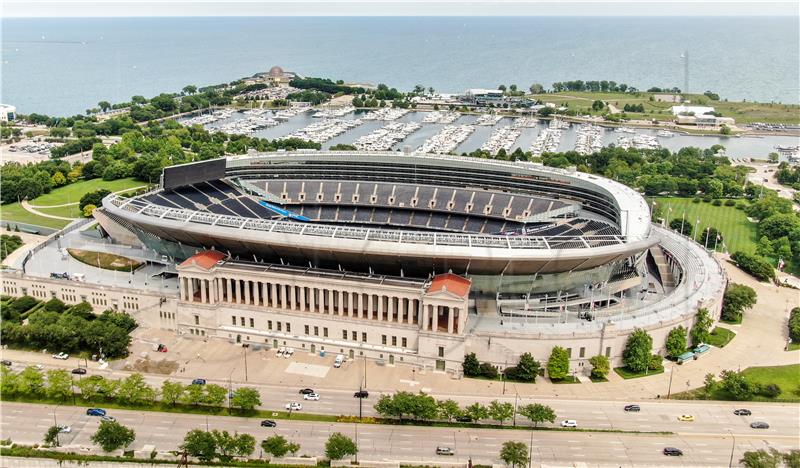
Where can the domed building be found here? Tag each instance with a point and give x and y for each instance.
(276, 76)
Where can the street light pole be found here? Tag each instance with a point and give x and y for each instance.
(55, 422)
(733, 447)
(671, 373)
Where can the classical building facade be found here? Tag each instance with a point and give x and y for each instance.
(379, 317)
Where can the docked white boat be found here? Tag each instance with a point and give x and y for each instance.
(501, 138)
(384, 138)
(448, 139)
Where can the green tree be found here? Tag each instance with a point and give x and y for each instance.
(89, 386)
(339, 446)
(193, 395)
(514, 454)
(761, 459)
(112, 435)
(536, 88)
(104, 105)
(709, 384)
(190, 89)
(276, 445)
(88, 211)
(135, 390)
(682, 226)
(51, 436)
(794, 325)
(488, 370)
(600, 366)
(246, 398)
(9, 382)
(30, 381)
(636, 355)
(526, 369)
(471, 365)
(736, 385)
(448, 409)
(754, 265)
(538, 413)
(200, 444)
(232, 445)
(676, 341)
(171, 392)
(701, 329)
(214, 395)
(501, 411)
(736, 299)
(792, 458)
(59, 384)
(476, 412)
(558, 364)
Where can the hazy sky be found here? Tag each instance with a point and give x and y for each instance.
(56, 8)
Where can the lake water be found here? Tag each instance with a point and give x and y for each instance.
(736, 147)
(64, 66)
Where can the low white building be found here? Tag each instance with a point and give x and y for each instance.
(696, 110)
(7, 113)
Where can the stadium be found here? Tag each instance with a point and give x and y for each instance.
(450, 252)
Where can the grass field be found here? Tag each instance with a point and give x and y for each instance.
(743, 112)
(14, 212)
(720, 337)
(737, 232)
(627, 374)
(106, 261)
(71, 211)
(786, 377)
(72, 193)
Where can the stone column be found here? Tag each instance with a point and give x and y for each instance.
(218, 282)
(228, 293)
(191, 289)
(183, 289)
(312, 306)
(450, 320)
(423, 324)
(273, 292)
(283, 302)
(369, 306)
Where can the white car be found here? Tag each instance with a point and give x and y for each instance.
(569, 423)
(294, 406)
(311, 396)
(108, 418)
(288, 352)
(281, 351)
(62, 356)
(64, 429)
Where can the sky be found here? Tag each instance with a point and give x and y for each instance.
(109, 8)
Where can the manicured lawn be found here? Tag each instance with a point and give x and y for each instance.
(15, 212)
(106, 261)
(738, 233)
(786, 377)
(625, 373)
(720, 337)
(743, 112)
(72, 193)
(70, 211)
(793, 346)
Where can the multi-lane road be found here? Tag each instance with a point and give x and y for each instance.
(26, 423)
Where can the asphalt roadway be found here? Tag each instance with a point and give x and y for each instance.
(711, 417)
(27, 423)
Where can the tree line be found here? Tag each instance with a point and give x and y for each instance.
(29, 323)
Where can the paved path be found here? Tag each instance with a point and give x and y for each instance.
(406, 443)
(33, 210)
(30, 241)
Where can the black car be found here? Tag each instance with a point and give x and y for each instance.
(361, 394)
(673, 452)
(463, 419)
(6, 362)
(634, 408)
(759, 425)
(79, 370)
(268, 423)
(306, 391)
(742, 412)
(199, 382)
